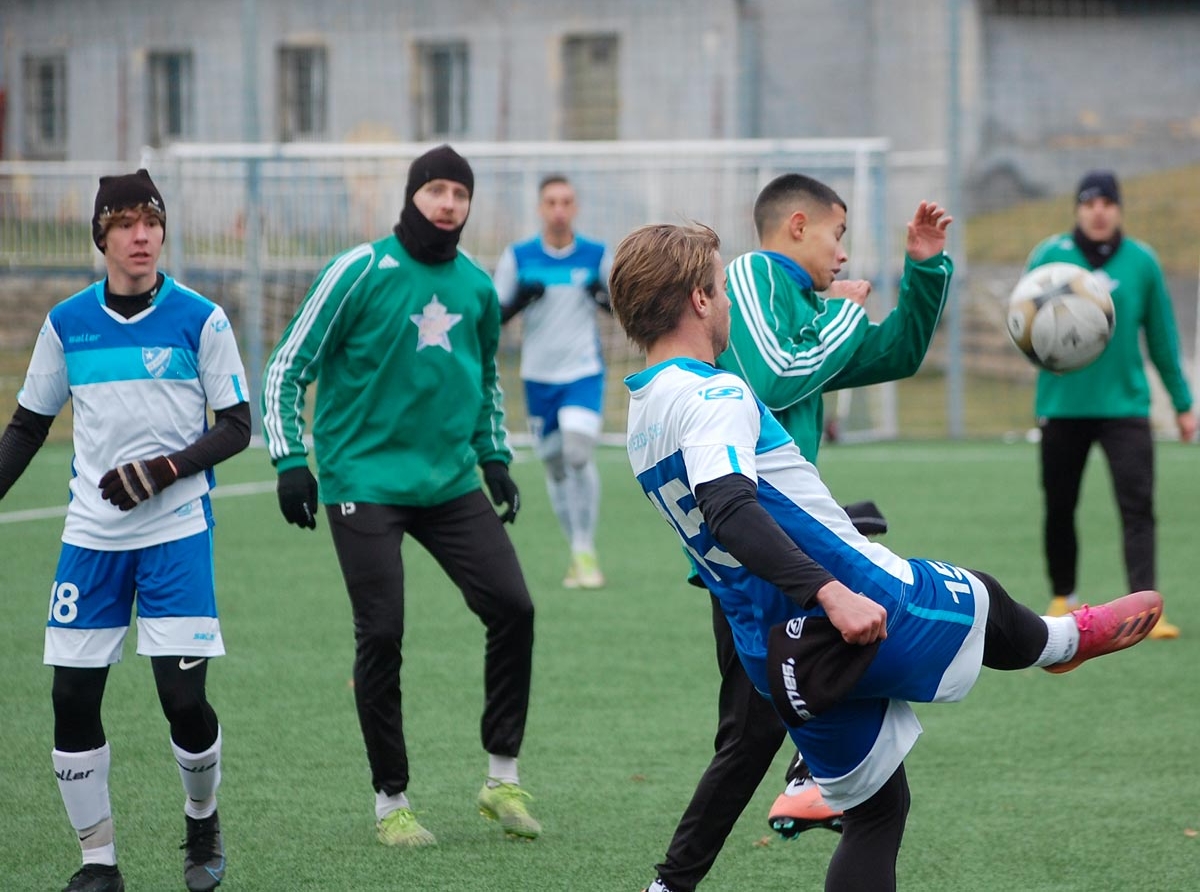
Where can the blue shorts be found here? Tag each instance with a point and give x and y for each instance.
(546, 401)
(933, 653)
(91, 603)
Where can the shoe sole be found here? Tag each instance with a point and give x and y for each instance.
(790, 828)
(814, 813)
(1136, 622)
(525, 833)
(409, 842)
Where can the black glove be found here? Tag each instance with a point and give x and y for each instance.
(867, 518)
(297, 491)
(600, 295)
(503, 489)
(131, 484)
(528, 292)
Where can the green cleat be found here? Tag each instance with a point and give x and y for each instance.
(401, 828)
(506, 803)
(585, 570)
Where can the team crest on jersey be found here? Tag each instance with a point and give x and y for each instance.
(724, 392)
(156, 360)
(434, 324)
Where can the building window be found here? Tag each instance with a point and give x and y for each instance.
(441, 90)
(303, 76)
(590, 98)
(45, 106)
(169, 98)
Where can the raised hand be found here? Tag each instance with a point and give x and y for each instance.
(927, 231)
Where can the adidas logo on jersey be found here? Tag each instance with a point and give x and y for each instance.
(388, 262)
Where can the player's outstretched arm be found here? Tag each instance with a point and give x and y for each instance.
(927, 231)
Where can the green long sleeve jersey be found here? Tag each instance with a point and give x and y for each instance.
(404, 359)
(791, 344)
(1115, 384)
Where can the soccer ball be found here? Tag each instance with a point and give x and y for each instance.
(1060, 316)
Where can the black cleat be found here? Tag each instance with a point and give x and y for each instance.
(96, 878)
(204, 854)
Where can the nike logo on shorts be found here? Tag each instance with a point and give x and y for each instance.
(185, 664)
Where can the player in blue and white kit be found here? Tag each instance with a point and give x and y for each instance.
(840, 632)
(140, 358)
(559, 279)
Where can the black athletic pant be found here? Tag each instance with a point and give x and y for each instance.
(749, 734)
(468, 541)
(1129, 448)
(865, 859)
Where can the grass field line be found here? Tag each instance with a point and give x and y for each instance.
(223, 491)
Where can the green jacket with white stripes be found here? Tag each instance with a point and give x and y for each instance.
(403, 356)
(791, 344)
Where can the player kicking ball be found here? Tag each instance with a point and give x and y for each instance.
(841, 633)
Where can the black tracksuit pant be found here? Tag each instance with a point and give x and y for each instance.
(469, 542)
(1129, 448)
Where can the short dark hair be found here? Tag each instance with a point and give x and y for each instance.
(551, 179)
(654, 271)
(780, 196)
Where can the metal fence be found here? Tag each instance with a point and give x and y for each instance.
(251, 225)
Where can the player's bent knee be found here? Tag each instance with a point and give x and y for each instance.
(578, 448)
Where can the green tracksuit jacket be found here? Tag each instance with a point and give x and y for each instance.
(404, 359)
(791, 344)
(1115, 385)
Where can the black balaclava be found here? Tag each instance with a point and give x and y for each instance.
(421, 238)
(1097, 184)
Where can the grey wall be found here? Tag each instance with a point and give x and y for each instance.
(1042, 97)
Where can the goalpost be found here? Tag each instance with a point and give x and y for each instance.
(254, 223)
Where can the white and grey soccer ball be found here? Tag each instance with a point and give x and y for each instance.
(1060, 316)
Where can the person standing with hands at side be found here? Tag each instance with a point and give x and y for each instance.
(1108, 401)
(796, 331)
(400, 336)
(141, 359)
(559, 279)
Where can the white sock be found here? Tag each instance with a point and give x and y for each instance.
(1062, 640)
(201, 775)
(502, 770)
(583, 494)
(385, 804)
(560, 503)
(83, 785)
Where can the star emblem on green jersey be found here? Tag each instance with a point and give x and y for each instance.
(434, 324)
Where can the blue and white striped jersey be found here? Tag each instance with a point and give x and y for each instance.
(138, 388)
(560, 339)
(690, 423)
